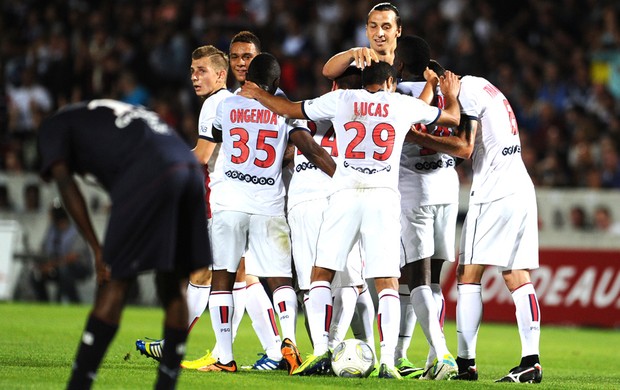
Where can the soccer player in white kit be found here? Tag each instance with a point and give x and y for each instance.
(370, 126)
(428, 185)
(307, 198)
(248, 200)
(501, 226)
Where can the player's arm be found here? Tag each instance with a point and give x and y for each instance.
(460, 145)
(313, 152)
(289, 154)
(451, 114)
(432, 81)
(75, 205)
(204, 150)
(362, 56)
(280, 105)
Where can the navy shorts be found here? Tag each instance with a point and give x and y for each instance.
(158, 222)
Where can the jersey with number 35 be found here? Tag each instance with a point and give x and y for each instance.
(370, 129)
(254, 140)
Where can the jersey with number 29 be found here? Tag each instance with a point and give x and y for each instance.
(370, 129)
(254, 140)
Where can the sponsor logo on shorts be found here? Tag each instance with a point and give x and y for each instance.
(250, 178)
(368, 171)
(514, 149)
(433, 165)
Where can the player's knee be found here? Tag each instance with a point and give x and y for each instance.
(170, 287)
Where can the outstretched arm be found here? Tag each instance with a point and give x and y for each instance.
(460, 145)
(313, 152)
(75, 205)
(278, 104)
(204, 150)
(362, 56)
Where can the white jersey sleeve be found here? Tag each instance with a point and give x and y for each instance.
(208, 113)
(323, 107)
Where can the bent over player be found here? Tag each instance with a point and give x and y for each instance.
(157, 221)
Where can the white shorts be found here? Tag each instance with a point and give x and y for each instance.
(353, 273)
(503, 233)
(428, 232)
(305, 220)
(371, 215)
(266, 238)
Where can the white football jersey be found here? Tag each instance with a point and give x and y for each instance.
(427, 177)
(254, 140)
(308, 181)
(498, 168)
(370, 129)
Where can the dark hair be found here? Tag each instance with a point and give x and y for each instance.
(436, 67)
(377, 73)
(247, 37)
(386, 7)
(264, 70)
(351, 78)
(414, 53)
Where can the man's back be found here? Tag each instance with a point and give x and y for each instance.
(496, 158)
(107, 137)
(254, 140)
(370, 130)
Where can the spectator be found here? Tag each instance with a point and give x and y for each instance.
(32, 198)
(603, 221)
(65, 259)
(578, 220)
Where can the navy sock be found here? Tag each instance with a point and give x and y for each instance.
(170, 365)
(95, 341)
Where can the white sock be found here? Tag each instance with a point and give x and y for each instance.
(221, 310)
(239, 297)
(319, 309)
(261, 313)
(388, 319)
(407, 322)
(285, 302)
(362, 323)
(468, 317)
(527, 312)
(197, 300)
(426, 311)
(441, 312)
(345, 299)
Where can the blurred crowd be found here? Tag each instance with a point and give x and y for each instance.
(558, 62)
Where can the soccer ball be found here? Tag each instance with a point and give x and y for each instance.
(353, 358)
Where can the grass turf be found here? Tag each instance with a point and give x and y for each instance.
(38, 344)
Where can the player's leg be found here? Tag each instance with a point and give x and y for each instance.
(100, 329)
(171, 290)
(388, 322)
(468, 318)
(362, 324)
(436, 265)
(198, 291)
(239, 296)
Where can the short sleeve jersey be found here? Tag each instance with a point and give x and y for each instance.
(370, 129)
(498, 168)
(254, 141)
(308, 181)
(427, 177)
(107, 137)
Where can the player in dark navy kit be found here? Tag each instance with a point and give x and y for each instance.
(157, 221)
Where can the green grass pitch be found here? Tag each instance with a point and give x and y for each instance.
(38, 343)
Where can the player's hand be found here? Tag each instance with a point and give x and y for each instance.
(450, 84)
(364, 56)
(101, 268)
(430, 75)
(250, 90)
